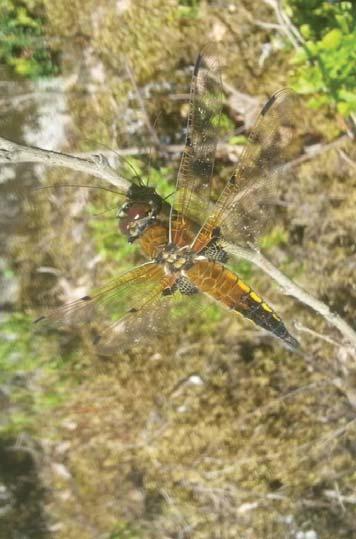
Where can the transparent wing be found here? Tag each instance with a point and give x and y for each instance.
(244, 205)
(47, 212)
(117, 310)
(65, 238)
(196, 168)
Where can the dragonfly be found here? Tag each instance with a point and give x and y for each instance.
(184, 250)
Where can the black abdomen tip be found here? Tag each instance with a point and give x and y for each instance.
(291, 341)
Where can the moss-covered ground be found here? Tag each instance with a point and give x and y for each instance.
(211, 429)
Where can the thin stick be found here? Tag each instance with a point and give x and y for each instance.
(285, 24)
(314, 150)
(141, 102)
(95, 163)
(11, 153)
(292, 289)
(299, 327)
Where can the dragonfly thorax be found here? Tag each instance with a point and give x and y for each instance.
(176, 259)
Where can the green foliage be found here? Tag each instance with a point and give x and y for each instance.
(226, 124)
(132, 167)
(15, 345)
(161, 179)
(326, 65)
(188, 9)
(110, 243)
(22, 44)
(243, 268)
(239, 140)
(125, 531)
(25, 357)
(277, 236)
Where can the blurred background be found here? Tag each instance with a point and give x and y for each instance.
(213, 430)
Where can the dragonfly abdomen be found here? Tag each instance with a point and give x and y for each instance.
(226, 287)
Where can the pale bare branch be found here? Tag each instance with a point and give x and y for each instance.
(96, 165)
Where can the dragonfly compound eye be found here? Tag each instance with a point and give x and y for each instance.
(132, 215)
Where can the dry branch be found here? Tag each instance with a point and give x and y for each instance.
(96, 165)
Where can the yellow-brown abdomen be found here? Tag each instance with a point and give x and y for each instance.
(226, 287)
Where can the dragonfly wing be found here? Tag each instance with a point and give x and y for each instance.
(62, 231)
(244, 205)
(196, 167)
(54, 235)
(115, 309)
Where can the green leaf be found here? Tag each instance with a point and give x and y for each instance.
(223, 122)
(349, 97)
(318, 101)
(238, 140)
(305, 31)
(277, 236)
(8, 273)
(24, 19)
(332, 39)
(346, 108)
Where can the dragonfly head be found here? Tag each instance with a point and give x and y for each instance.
(139, 211)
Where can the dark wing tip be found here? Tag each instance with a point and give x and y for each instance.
(39, 319)
(197, 64)
(86, 298)
(268, 105)
(280, 96)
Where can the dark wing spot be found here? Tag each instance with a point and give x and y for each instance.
(132, 310)
(86, 298)
(39, 319)
(197, 65)
(189, 141)
(167, 292)
(268, 105)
